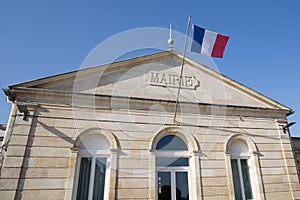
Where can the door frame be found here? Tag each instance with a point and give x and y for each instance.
(173, 171)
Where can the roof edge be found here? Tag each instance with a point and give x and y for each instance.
(148, 57)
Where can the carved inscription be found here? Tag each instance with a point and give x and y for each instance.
(172, 80)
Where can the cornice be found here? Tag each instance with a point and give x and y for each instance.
(108, 102)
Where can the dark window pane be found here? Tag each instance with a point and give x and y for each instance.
(172, 162)
(164, 185)
(171, 142)
(84, 179)
(236, 179)
(182, 189)
(246, 179)
(99, 180)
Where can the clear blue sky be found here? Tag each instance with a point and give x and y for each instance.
(43, 38)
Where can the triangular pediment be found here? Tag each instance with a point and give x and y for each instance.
(156, 76)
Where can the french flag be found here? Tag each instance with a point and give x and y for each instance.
(209, 43)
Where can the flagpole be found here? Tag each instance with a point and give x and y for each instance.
(181, 71)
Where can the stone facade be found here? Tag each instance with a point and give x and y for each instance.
(130, 104)
(296, 150)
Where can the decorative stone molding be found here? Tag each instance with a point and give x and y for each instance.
(90, 131)
(251, 145)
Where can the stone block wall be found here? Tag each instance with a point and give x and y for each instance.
(40, 163)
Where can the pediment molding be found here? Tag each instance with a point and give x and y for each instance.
(54, 85)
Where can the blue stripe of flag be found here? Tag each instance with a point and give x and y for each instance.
(197, 39)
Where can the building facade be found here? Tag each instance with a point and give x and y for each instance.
(108, 132)
(296, 149)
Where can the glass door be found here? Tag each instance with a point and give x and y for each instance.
(172, 185)
(164, 186)
(182, 189)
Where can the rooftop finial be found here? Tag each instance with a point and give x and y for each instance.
(170, 40)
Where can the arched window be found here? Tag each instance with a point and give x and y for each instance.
(92, 171)
(172, 166)
(171, 142)
(239, 156)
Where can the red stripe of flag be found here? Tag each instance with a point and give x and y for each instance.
(219, 46)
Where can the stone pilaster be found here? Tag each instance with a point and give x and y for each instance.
(15, 149)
